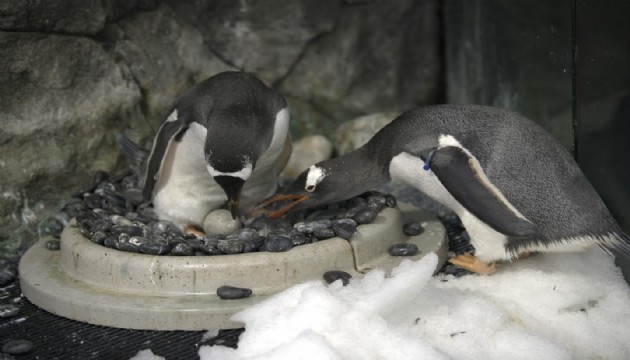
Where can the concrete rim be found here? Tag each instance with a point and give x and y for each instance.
(88, 282)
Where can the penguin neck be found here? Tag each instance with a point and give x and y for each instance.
(368, 170)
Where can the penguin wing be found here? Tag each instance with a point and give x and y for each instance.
(284, 156)
(171, 129)
(462, 175)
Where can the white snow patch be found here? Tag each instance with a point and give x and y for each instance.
(147, 354)
(550, 306)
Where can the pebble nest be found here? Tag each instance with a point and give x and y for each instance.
(111, 212)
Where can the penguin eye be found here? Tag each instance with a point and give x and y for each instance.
(310, 188)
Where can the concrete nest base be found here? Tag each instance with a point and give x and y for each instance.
(91, 283)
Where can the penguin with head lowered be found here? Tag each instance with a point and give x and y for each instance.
(515, 189)
(225, 139)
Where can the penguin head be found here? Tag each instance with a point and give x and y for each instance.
(321, 184)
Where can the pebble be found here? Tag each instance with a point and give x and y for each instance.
(231, 292)
(231, 246)
(7, 274)
(110, 241)
(324, 233)
(112, 213)
(403, 249)
(390, 201)
(103, 225)
(154, 249)
(344, 228)
(253, 244)
(53, 227)
(220, 222)
(332, 276)
(365, 216)
(127, 246)
(297, 238)
(53, 245)
(312, 226)
(182, 249)
(412, 229)
(17, 347)
(8, 310)
(277, 243)
(120, 220)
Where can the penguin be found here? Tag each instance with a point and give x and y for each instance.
(224, 139)
(515, 189)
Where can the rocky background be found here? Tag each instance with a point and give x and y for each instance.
(76, 72)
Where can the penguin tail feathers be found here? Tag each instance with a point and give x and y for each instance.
(136, 156)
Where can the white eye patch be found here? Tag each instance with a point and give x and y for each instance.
(315, 176)
(244, 173)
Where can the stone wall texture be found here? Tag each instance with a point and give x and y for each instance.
(74, 73)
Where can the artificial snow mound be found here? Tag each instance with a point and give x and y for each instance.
(551, 306)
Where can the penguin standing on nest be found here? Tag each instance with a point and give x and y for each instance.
(225, 139)
(515, 189)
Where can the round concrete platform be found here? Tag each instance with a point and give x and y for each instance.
(91, 283)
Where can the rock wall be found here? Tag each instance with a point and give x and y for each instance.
(76, 72)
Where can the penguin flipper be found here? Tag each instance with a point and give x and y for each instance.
(462, 175)
(171, 129)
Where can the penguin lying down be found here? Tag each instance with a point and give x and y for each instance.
(225, 139)
(515, 189)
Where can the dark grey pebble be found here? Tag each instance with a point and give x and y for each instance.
(230, 292)
(233, 246)
(344, 228)
(134, 195)
(139, 240)
(120, 220)
(365, 216)
(261, 222)
(277, 243)
(154, 249)
(102, 225)
(7, 274)
(127, 246)
(8, 310)
(74, 209)
(110, 241)
(326, 214)
(332, 276)
(244, 234)
(297, 238)
(182, 249)
(93, 201)
(390, 201)
(403, 249)
(53, 245)
(253, 244)
(164, 227)
(412, 229)
(17, 347)
(324, 233)
(312, 226)
(129, 230)
(53, 227)
(357, 202)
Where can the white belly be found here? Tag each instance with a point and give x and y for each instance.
(489, 244)
(185, 191)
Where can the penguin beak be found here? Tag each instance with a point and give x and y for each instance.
(232, 186)
(297, 198)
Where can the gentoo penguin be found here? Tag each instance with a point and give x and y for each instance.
(226, 138)
(515, 189)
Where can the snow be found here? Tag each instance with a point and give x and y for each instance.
(549, 306)
(147, 354)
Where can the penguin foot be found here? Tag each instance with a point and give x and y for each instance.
(190, 229)
(471, 263)
(281, 197)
